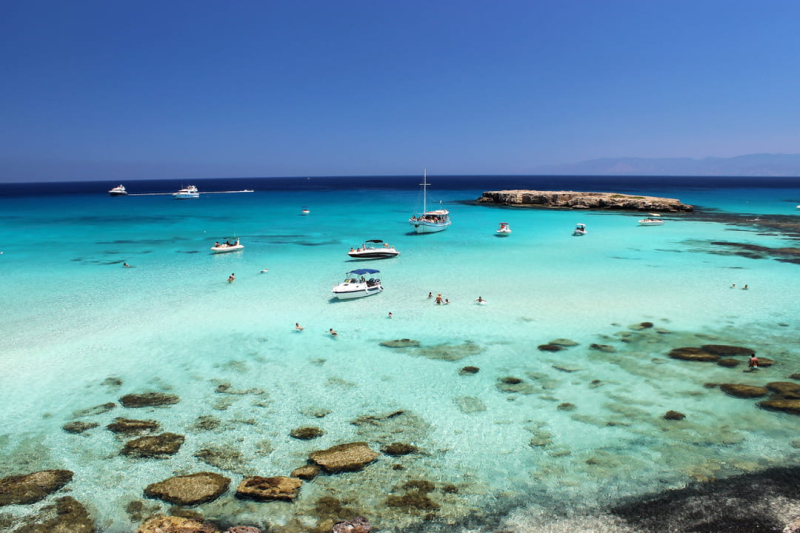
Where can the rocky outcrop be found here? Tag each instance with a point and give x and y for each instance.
(725, 350)
(674, 415)
(787, 406)
(94, 411)
(306, 433)
(78, 427)
(31, 488)
(348, 457)
(148, 399)
(785, 389)
(738, 390)
(269, 488)
(306, 472)
(399, 448)
(193, 489)
(175, 524)
(68, 515)
(127, 426)
(583, 200)
(693, 354)
(154, 446)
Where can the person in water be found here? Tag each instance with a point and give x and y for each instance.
(126, 265)
(298, 327)
(231, 278)
(333, 333)
(439, 299)
(480, 300)
(390, 314)
(753, 364)
(430, 295)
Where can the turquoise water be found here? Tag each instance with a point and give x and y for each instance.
(586, 432)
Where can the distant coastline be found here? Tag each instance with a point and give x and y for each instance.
(584, 200)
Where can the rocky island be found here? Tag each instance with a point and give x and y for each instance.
(584, 200)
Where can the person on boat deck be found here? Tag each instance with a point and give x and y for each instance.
(386, 245)
(362, 279)
(216, 244)
(351, 249)
(231, 278)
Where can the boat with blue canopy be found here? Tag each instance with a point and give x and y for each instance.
(357, 285)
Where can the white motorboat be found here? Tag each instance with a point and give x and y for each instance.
(227, 246)
(305, 211)
(186, 193)
(429, 221)
(119, 190)
(373, 249)
(580, 229)
(356, 285)
(651, 222)
(504, 230)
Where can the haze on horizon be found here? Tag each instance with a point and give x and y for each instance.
(192, 89)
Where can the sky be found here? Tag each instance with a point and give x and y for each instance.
(158, 89)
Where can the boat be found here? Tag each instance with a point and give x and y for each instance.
(305, 211)
(429, 221)
(227, 246)
(356, 285)
(651, 222)
(187, 192)
(580, 229)
(504, 230)
(373, 249)
(119, 190)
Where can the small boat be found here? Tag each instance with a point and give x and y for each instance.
(503, 230)
(429, 221)
(651, 222)
(225, 247)
(374, 249)
(119, 190)
(186, 193)
(305, 211)
(358, 287)
(580, 229)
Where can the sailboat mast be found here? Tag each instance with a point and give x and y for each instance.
(425, 192)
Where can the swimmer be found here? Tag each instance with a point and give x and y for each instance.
(733, 286)
(231, 278)
(390, 314)
(265, 270)
(480, 300)
(430, 295)
(446, 301)
(333, 333)
(126, 265)
(439, 299)
(744, 288)
(298, 327)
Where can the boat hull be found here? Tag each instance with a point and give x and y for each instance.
(421, 226)
(503, 233)
(350, 291)
(186, 196)
(376, 254)
(651, 222)
(226, 249)
(118, 194)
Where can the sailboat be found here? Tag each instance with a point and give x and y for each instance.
(429, 221)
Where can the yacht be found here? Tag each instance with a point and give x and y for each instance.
(305, 211)
(651, 222)
(504, 230)
(187, 192)
(119, 190)
(429, 221)
(373, 249)
(227, 246)
(356, 285)
(580, 229)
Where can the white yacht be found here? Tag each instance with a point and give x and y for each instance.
(373, 249)
(119, 190)
(651, 222)
(187, 192)
(305, 211)
(580, 229)
(504, 230)
(429, 221)
(227, 246)
(356, 285)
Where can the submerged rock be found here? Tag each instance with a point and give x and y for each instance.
(605, 348)
(725, 350)
(786, 389)
(306, 472)
(468, 371)
(469, 404)
(206, 423)
(127, 426)
(640, 326)
(94, 411)
(269, 488)
(549, 348)
(693, 354)
(739, 390)
(148, 399)
(154, 445)
(674, 415)
(401, 343)
(449, 352)
(356, 525)
(566, 343)
(193, 489)
(31, 488)
(306, 433)
(787, 406)
(348, 457)
(175, 524)
(68, 515)
(399, 448)
(729, 363)
(511, 384)
(224, 458)
(77, 428)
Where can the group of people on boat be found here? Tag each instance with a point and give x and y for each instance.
(226, 243)
(430, 218)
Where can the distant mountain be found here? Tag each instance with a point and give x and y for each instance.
(743, 165)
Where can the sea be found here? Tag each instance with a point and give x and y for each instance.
(507, 432)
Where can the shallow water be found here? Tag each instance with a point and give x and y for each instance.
(583, 431)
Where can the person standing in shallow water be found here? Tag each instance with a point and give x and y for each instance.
(231, 278)
(753, 364)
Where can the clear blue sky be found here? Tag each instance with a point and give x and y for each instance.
(143, 89)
